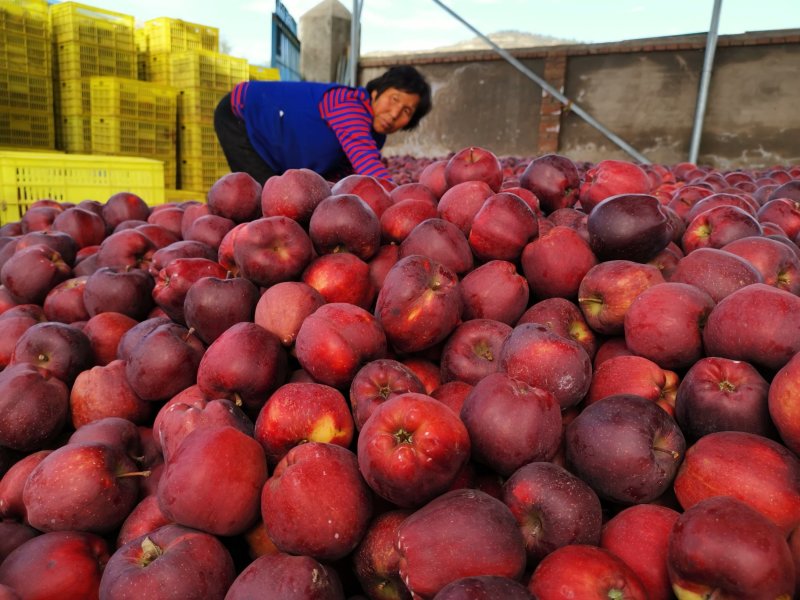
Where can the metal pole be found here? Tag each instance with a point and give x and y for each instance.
(705, 82)
(551, 90)
(355, 24)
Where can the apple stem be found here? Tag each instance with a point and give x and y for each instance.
(237, 400)
(189, 334)
(150, 551)
(136, 474)
(675, 455)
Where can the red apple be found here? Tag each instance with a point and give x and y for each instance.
(634, 375)
(722, 546)
(474, 164)
(103, 391)
(61, 349)
(119, 290)
(782, 403)
(563, 317)
(776, 262)
(484, 586)
(128, 249)
(411, 449)
(30, 273)
(283, 307)
(432, 177)
(642, 462)
(758, 471)
(629, 226)
(345, 223)
(286, 577)
(502, 227)
(611, 178)
(376, 382)
(398, 220)
(145, 518)
(554, 179)
(84, 226)
(461, 202)
(440, 241)
(294, 194)
(715, 271)
(376, 561)
(369, 189)
(321, 482)
(555, 263)
(341, 277)
(472, 351)
(235, 196)
(495, 290)
(213, 304)
(716, 227)
(586, 572)
(272, 249)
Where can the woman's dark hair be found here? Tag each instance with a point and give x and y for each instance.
(406, 79)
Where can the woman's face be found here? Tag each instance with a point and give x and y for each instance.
(392, 110)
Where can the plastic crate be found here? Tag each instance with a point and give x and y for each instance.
(114, 135)
(175, 195)
(74, 96)
(258, 73)
(29, 176)
(201, 173)
(174, 35)
(27, 129)
(26, 91)
(33, 7)
(133, 99)
(23, 52)
(74, 133)
(73, 22)
(198, 139)
(73, 60)
(197, 105)
(206, 70)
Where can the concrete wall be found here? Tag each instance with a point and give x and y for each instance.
(645, 91)
(324, 32)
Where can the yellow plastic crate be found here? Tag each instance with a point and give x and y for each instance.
(258, 73)
(201, 173)
(174, 35)
(27, 129)
(134, 137)
(198, 139)
(26, 91)
(29, 176)
(33, 7)
(20, 51)
(74, 22)
(197, 105)
(174, 195)
(74, 60)
(206, 70)
(130, 98)
(74, 96)
(74, 133)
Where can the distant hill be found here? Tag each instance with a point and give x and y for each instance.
(504, 39)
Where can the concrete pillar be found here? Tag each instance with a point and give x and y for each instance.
(325, 41)
(555, 72)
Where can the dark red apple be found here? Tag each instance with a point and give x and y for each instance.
(84, 226)
(345, 223)
(634, 375)
(554, 179)
(432, 177)
(285, 577)
(128, 249)
(472, 351)
(105, 330)
(376, 382)
(369, 189)
(715, 271)
(474, 164)
(495, 290)
(461, 202)
(565, 318)
(64, 303)
(283, 307)
(398, 220)
(235, 196)
(59, 348)
(341, 277)
(272, 249)
(629, 226)
(441, 241)
(611, 178)
(30, 273)
(782, 403)
(376, 562)
(214, 304)
(502, 227)
(484, 586)
(776, 262)
(555, 263)
(103, 391)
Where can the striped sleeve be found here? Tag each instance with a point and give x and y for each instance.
(237, 99)
(349, 114)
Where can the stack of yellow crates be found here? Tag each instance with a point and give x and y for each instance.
(26, 86)
(101, 106)
(184, 55)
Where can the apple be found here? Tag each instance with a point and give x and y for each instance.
(135, 334)
(783, 211)
(160, 236)
(12, 507)
(543, 359)
(555, 263)
(419, 304)
(185, 412)
(536, 431)
(376, 382)
(209, 229)
(411, 449)
(665, 323)
(376, 561)
(715, 271)
(59, 348)
(214, 304)
(87, 487)
(56, 240)
(64, 302)
(426, 370)
(282, 308)
(634, 375)
(399, 219)
(336, 340)
(782, 403)
(687, 196)
(297, 413)
(180, 249)
(718, 226)
(717, 199)
(758, 323)
(124, 206)
(494, 290)
(609, 288)
(235, 196)
(368, 188)
(58, 564)
(474, 164)
(145, 518)
(103, 391)
(484, 586)
(128, 249)
(84, 226)
(168, 216)
(723, 546)
(175, 279)
(271, 249)
(114, 431)
(341, 277)
(639, 535)
(502, 227)
(322, 482)
(163, 362)
(294, 194)
(345, 223)
(12, 535)
(776, 262)
(201, 489)
(432, 177)
(586, 572)
(119, 290)
(11, 329)
(460, 533)
(629, 226)
(285, 577)
(565, 318)
(756, 470)
(719, 394)
(440, 241)
(643, 460)
(472, 351)
(192, 211)
(30, 273)
(171, 562)
(33, 407)
(413, 191)
(461, 202)
(554, 179)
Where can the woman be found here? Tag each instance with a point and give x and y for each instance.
(267, 127)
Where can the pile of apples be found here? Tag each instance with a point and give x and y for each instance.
(540, 380)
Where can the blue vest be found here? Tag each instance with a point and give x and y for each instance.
(285, 127)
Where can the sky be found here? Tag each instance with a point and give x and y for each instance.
(406, 25)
